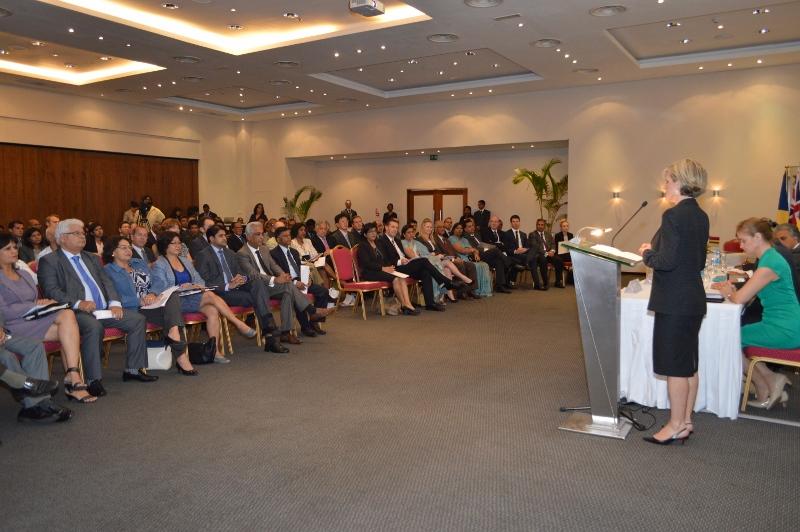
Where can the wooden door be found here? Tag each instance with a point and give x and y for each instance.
(435, 204)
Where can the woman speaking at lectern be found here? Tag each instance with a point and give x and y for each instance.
(677, 255)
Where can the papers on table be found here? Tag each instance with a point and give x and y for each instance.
(40, 311)
(617, 252)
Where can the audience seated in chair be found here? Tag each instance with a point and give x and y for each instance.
(543, 243)
(483, 281)
(491, 255)
(373, 268)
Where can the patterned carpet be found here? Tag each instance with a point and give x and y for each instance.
(445, 421)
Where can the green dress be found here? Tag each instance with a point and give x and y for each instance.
(484, 284)
(779, 327)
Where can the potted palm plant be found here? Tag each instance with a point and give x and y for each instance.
(550, 193)
(298, 209)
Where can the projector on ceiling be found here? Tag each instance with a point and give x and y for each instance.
(367, 8)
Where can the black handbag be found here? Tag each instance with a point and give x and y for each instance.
(203, 353)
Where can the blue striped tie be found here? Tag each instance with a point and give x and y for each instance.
(97, 297)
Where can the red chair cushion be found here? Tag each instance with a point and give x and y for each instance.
(242, 310)
(365, 285)
(52, 347)
(153, 327)
(275, 304)
(194, 317)
(790, 355)
(112, 332)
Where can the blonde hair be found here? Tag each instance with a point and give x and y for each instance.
(691, 176)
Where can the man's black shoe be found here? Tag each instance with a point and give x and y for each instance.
(96, 388)
(45, 411)
(140, 376)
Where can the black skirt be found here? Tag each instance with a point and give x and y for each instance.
(676, 344)
(371, 275)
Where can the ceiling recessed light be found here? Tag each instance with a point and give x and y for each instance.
(470, 53)
(170, 5)
(470, 93)
(391, 80)
(69, 65)
(310, 90)
(758, 11)
(180, 108)
(235, 27)
(238, 71)
(367, 105)
(345, 156)
(54, 55)
(762, 31)
(361, 69)
(413, 61)
(566, 56)
(490, 90)
(99, 37)
(174, 82)
(38, 43)
(546, 43)
(443, 37)
(383, 47)
(574, 61)
(401, 70)
(144, 88)
(241, 94)
(700, 68)
(207, 94)
(71, 30)
(233, 10)
(685, 41)
(105, 58)
(335, 54)
(128, 45)
(452, 94)
(600, 78)
(324, 93)
(422, 152)
(673, 24)
(295, 113)
(358, 51)
(441, 72)
(720, 26)
(558, 49)
(483, 3)
(520, 24)
(291, 16)
(607, 11)
(309, 111)
(284, 114)
(455, 63)
(759, 61)
(495, 65)
(297, 86)
(730, 64)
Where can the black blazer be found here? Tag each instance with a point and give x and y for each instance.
(482, 218)
(677, 257)
(369, 259)
(91, 244)
(209, 268)
(387, 250)
(339, 239)
(235, 243)
(560, 237)
(510, 240)
(536, 241)
(280, 258)
(487, 235)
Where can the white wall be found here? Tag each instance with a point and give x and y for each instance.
(741, 125)
(372, 183)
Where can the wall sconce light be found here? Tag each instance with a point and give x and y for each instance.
(715, 193)
(615, 195)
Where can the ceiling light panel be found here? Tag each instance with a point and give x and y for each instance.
(740, 30)
(48, 62)
(230, 97)
(433, 70)
(263, 24)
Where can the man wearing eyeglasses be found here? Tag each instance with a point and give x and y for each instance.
(75, 277)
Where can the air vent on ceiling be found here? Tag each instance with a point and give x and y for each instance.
(443, 37)
(346, 100)
(186, 59)
(483, 3)
(279, 82)
(586, 71)
(546, 43)
(286, 64)
(607, 11)
(193, 79)
(122, 90)
(507, 17)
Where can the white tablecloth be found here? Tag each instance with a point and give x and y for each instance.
(720, 364)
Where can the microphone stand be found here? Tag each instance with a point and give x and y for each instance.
(642, 206)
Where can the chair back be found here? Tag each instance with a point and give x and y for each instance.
(343, 264)
(356, 265)
(732, 246)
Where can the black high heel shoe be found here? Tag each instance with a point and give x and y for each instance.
(409, 312)
(672, 439)
(187, 372)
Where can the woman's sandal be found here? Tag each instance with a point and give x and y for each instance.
(70, 388)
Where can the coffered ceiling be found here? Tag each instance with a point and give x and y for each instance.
(288, 59)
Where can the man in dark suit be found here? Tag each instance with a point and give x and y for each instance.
(236, 239)
(482, 216)
(357, 231)
(491, 256)
(200, 242)
(256, 261)
(207, 212)
(518, 248)
(789, 236)
(494, 235)
(542, 242)
(420, 269)
(349, 211)
(139, 238)
(75, 277)
(219, 266)
(342, 236)
(289, 261)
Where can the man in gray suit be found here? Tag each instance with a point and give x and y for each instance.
(219, 266)
(28, 379)
(257, 262)
(75, 277)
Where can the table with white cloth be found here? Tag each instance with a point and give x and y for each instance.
(720, 361)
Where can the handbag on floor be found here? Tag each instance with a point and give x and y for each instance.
(203, 353)
(392, 306)
(159, 355)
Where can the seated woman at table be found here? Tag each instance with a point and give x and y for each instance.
(371, 264)
(779, 327)
(18, 295)
(170, 269)
(467, 252)
(133, 280)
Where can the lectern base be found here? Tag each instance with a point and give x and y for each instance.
(584, 424)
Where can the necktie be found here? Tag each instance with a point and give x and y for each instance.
(544, 244)
(261, 262)
(346, 239)
(325, 243)
(96, 296)
(496, 238)
(519, 241)
(292, 263)
(226, 271)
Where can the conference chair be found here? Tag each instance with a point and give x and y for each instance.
(781, 357)
(344, 266)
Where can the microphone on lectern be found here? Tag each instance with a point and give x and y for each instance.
(642, 206)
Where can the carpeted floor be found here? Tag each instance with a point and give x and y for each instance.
(445, 421)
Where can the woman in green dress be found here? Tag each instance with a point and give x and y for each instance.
(465, 252)
(779, 327)
(414, 249)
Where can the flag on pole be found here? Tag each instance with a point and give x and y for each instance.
(794, 203)
(783, 200)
